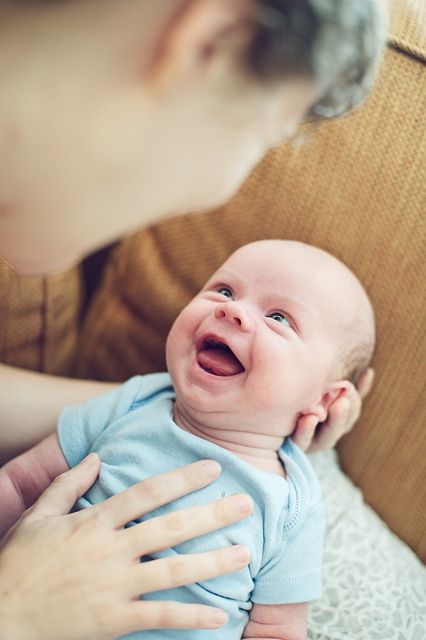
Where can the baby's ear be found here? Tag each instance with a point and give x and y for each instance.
(330, 394)
(199, 33)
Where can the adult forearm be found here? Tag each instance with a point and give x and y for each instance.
(30, 404)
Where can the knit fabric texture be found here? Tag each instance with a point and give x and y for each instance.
(39, 319)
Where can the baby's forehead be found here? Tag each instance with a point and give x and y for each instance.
(284, 259)
(308, 273)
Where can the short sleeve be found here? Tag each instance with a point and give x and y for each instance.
(294, 574)
(79, 426)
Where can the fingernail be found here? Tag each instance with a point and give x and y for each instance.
(91, 458)
(243, 504)
(211, 469)
(241, 554)
(219, 618)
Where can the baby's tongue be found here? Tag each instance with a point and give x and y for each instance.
(220, 362)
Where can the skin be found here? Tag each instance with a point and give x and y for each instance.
(110, 125)
(284, 309)
(109, 129)
(98, 533)
(137, 96)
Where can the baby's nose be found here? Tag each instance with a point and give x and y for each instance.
(234, 313)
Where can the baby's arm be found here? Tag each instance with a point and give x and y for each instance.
(277, 622)
(23, 479)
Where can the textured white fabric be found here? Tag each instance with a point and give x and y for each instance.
(374, 585)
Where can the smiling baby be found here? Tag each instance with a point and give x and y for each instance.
(279, 331)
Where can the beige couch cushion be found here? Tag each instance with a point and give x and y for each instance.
(357, 188)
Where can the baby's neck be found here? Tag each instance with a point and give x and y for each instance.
(258, 450)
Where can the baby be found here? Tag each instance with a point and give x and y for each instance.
(277, 332)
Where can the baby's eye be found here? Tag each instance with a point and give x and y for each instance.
(225, 291)
(279, 317)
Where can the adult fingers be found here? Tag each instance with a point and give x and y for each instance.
(353, 411)
(365, 382)
(305, 431)
(329, 432)
(60, 497)
(178, 570)
(157, 491)
(342, 415)
(168, 614)
(166, 531)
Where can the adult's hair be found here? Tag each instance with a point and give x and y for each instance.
(336, 42)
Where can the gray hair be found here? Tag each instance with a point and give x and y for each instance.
(336, 42)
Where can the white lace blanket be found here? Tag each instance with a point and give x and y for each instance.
(374, 585)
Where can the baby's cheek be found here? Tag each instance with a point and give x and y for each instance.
(266, 394)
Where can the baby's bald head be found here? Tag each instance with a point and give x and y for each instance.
(275, 333)
(358, 334)
(354, 315)
(340, 297)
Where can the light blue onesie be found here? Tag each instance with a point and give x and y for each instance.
(132, 430)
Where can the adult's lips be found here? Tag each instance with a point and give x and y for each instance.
(217, 358)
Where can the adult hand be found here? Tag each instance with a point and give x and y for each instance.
(72, 576)
(342, 416)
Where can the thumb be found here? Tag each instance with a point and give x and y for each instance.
(59, 498)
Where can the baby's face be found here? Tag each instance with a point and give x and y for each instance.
(260, 339)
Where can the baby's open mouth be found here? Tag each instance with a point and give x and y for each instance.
(215, 357)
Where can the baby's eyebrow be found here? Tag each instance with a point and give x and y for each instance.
(283, 301)
(294, 305)
(223, 276)
(296, 308)
(230, 274)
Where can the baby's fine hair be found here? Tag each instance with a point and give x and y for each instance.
(358, 344)
(357, 357)
(336, 42)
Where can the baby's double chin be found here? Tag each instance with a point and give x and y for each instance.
(250, 446)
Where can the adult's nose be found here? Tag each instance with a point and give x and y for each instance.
(234, 313)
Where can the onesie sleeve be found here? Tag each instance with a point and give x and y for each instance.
(294, 574)
(79, 426)
(292, 568)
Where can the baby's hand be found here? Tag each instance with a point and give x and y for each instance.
(342, 416)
